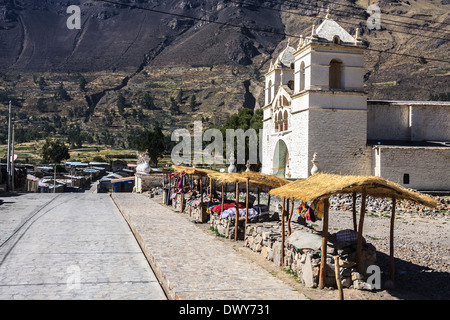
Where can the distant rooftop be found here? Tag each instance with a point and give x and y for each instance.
(410, 102)
(408, 144)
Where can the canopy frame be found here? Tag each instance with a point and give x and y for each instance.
(321, 186)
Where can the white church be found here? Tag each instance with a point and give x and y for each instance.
(316, 108)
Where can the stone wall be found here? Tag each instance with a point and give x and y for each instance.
(427, 167)
(339, 139)
(408, 121)
(265, 238)
(226, 227)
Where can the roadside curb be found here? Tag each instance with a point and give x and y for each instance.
(150, 258)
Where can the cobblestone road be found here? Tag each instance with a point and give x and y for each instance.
(70, 246)
(193, 264)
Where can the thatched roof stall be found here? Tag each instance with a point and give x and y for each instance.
(271, 182)
(193, 171)
(237, 179)
(267, 181)
(201, 173)
(321, 186)
(250, 179)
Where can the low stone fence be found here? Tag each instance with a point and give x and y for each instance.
(304, 260)
(226, 227)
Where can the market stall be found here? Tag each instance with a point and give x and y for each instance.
(320, 186)
(248, 209)
(188, 193)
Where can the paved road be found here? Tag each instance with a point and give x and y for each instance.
(192, 263)
(70, 246)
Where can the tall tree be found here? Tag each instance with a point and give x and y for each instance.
(193, 102)
(61, 93)
(121, 103)
(153, 141)
(55, 151)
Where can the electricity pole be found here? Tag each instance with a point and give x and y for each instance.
(8, 160)
(12, 160)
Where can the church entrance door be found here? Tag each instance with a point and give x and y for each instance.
(280, 159)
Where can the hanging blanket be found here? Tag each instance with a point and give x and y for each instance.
(218, 208)
(230, 213)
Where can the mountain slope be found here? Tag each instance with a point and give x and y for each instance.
(197, 49)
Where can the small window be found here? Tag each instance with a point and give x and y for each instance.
(335, 75)
(336, 40)
(406, 178)
(302, 76)
(269, 92)
(290, 84)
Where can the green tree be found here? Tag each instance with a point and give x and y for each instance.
(41, 83)
(153, 141)
(179, 98)
(41, 105)
(174, 108)
(55, 151)
(62, 94)
(147, 102)
(155, 144)
(82, 84)
(245, 119)
(121, 103)
(75, 137)
(193, 102)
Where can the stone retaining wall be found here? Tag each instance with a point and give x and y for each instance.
(265, 238)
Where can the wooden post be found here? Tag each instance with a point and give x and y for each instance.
(354, 211)
(223, 196)
(258, 195)
(338, 277)
(201, 198)
(290, 217)
(391, 243)
(282, 232)
(170, 187)
(246, 206)
(268, 203)
(210, 190)
(170, 181)
(360, 230)
(323, 257)
(236, 216)
(182, 202)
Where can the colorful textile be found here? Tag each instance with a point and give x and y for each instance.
(230, 213)
(319, 209)
(302, 208)
(261, 209)
(306, 211)
(347, 235)
(228, 205)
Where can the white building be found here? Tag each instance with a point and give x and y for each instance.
(315, 103)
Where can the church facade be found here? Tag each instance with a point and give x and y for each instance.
(316, 108)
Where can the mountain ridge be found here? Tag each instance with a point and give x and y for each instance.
(217, 51)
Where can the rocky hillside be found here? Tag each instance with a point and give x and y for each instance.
(139, 65)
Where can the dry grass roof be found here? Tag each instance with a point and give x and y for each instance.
(193, 171)
(269, 181)
(225, 177)
(256, 179)
(323, 185)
